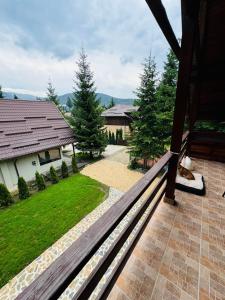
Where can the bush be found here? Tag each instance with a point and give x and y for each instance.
(64, 170)
(133, 164)
(40, 181)
(5, 196)
(113, 142)
(23, 188)
(110, 138)
(74, 165)
(53, 175)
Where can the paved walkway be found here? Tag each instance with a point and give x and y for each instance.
(113, 170)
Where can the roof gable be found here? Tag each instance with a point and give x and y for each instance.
(31, 126)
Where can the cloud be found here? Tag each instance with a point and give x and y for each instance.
(42, 39)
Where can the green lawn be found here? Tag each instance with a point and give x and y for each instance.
(28, 227)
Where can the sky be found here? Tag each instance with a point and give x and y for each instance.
(41, 40)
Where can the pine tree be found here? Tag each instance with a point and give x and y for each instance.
(53, 175)
(86, 113)
(166, 94)
(5, 196)
(40, 181)
(51, 95)
(111, 103)
(64, 170)
(144, 142)
(69, 103)
(1, 93)
(74, 165)
(113, 138)
(23, 188)
(110, 138)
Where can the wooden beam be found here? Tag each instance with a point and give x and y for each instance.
(182, 94)
(160, 15)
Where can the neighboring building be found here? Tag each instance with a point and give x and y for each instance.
(119, 117)
(32, 134)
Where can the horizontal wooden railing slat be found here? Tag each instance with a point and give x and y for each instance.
(55, 279)
(86, 290)
(106, 289)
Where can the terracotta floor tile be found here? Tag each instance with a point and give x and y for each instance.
(181, 254)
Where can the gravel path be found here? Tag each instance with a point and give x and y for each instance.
(113, 170)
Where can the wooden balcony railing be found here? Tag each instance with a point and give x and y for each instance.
(56, 278)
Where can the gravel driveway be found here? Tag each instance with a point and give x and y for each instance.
(112, 170)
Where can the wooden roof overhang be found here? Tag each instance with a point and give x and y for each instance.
(200, 93)
(206, 82)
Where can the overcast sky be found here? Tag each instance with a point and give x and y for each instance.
(41, 39)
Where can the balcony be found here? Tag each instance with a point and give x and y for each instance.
(181, 252)
(156, 250)
(148, 248)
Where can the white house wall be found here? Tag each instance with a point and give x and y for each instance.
(26, 169)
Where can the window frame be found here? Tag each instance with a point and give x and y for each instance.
(49, 154)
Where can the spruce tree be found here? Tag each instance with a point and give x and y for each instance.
(1, 93)
(86, 117)
(111, 103)
(144, 142)
(69, 103)
(5, 196)
(74, 165)
(53, 175)
(23, 188)
(166, 94)
(110, 138)
(40, 181)
(51, 94)
(113, 138)
(64, 170)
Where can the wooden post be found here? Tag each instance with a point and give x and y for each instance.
(160, 15)
(186, 58)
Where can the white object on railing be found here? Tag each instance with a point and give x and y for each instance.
(186, 163)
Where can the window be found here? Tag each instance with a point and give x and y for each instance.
(46, 157)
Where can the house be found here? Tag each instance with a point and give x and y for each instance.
(119, 117)
(32, 134)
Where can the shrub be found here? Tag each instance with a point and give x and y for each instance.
(133, 164)
(5, 196)
(23, 188)
(64, 170)
(110, 138)
(113, 142)
(53, 175)
(40, 181)
(74, 165)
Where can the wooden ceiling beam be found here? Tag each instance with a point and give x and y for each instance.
(160, 15)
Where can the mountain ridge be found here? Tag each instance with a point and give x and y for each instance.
(104, 98)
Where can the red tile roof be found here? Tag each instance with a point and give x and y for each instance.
(31, 126)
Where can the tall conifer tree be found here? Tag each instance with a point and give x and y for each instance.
(51, 94)
(86, 113)
(1, 93)
(144, 141)
(166, 94)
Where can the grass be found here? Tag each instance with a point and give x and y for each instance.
(30, 226)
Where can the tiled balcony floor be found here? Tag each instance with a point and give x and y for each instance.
(181, 254)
